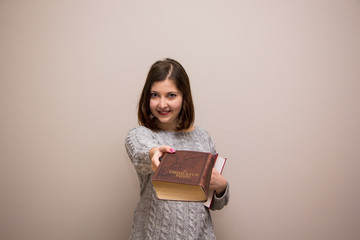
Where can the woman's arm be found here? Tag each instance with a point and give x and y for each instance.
(138, 143)
(144, 149)
(217, 183)
(218, 202)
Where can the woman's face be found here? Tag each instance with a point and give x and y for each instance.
(166, 103)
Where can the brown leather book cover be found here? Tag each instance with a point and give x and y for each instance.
(184, 176)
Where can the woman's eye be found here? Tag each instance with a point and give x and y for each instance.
(153, 95)
(172, 95)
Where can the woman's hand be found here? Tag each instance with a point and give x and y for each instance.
(156, 152)
(217, 182)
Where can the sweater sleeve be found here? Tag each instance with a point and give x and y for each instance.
(138, 143)
(220, 202)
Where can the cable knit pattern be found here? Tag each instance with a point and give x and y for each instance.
(167, 220)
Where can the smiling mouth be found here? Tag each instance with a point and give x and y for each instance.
(163, 113)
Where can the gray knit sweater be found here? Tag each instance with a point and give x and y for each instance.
(167, 220)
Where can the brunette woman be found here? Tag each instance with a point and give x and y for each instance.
(166, 117)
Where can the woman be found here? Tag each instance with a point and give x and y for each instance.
(166, 116)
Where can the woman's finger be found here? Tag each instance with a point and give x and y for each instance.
(165, 148)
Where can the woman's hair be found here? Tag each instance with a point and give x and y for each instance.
(160, 71)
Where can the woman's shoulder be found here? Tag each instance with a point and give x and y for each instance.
(200, 129)
(139, 130)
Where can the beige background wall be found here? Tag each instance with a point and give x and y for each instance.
(275, 82)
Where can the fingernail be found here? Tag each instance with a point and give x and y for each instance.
(172, 150)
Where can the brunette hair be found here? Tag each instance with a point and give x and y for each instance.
(160, 71)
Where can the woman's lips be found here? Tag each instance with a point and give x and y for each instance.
(163, 113)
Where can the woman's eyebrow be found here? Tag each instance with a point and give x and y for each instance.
(153, 91)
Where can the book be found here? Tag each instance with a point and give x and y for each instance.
(218, 165)
(184, 176)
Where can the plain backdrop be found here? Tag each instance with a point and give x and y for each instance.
(276, 83)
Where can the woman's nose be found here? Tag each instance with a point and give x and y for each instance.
(162, 103)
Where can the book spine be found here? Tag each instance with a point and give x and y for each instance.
(205, 181)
